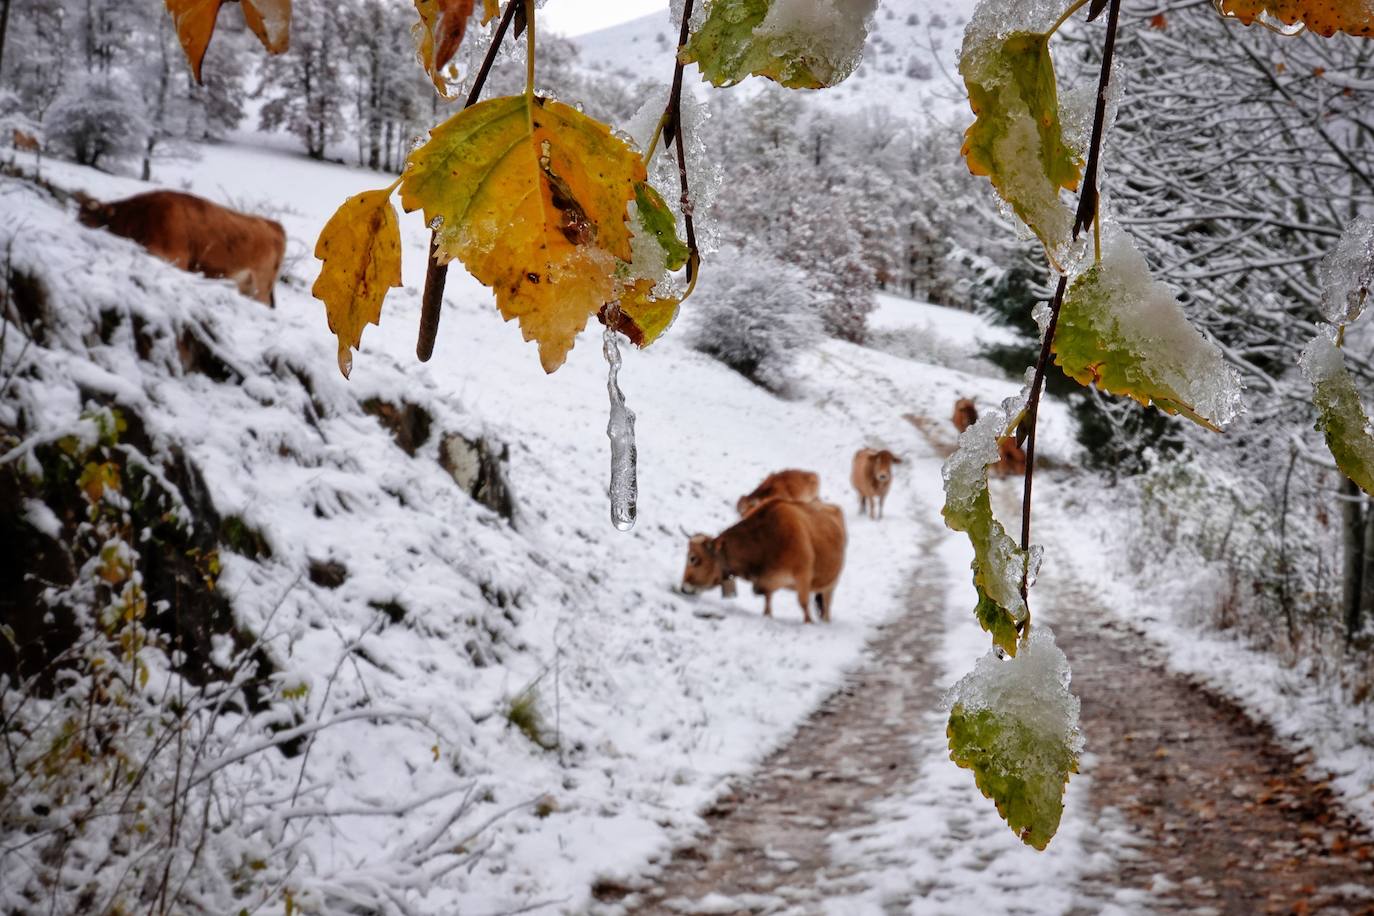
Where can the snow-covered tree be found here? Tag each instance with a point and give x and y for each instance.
(302, 85)
(754, 314)
(98, 117)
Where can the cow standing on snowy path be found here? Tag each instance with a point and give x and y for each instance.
(783, 543)
(789, 484)
(871, 475)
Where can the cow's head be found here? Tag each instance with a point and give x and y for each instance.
(91, 212)
(704, 568)
(882, 465)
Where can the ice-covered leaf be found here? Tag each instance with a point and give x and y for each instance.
(1340, 416)
(1125, 332)
(1014, 723)
(998, 563)
(660, 222)
(1016, 139)
(270, 20)
(361, 250)
(532, 196)
(1347, 273)
(440, 31)
(802, 44)
(1325, 17)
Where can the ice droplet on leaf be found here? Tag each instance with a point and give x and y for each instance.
(1340, 415)
(620, 429)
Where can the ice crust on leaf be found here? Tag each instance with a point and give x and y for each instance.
(1017, 139)
(1125, 332)
(1340, 416)
(1347, 273)
(801, 44)
(998, 563)
(1014, 723)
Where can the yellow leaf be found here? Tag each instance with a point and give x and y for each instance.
(361, 250)
(641, 317)
(443, 23)
(532, 197)
(1016, 139)
(490, 10)
(1325, 17)
(270, 20)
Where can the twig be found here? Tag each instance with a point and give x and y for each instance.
(1087, 215)
(1087, 201)
(436, 274)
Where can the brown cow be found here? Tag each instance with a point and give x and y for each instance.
(790, 484)
(783, 543)
(1011, 458)
(965, 414)
(26, 142)
(197, 235)
(871, 475)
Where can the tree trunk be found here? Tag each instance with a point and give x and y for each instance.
(1353, 549)
(1366, 609)
(4, 27)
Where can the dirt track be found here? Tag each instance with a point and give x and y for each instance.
(1225, 819)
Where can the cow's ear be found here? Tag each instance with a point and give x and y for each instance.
(896, 460)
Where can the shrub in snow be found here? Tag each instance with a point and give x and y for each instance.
(97, 117)
(753, 314)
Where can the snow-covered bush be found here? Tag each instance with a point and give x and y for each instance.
(753, 313)
(97, 117)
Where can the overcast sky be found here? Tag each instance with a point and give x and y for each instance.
(573, 17)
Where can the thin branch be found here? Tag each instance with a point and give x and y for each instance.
(436, 274)
(1087, 202)
(1087, 215)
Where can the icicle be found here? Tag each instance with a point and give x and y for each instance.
(621, 430)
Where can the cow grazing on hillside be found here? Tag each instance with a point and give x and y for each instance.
(198, 236)
(783, 543)
(790, 484)
(1011, 458)
(871, 475)
(27, 143)
(965, 414)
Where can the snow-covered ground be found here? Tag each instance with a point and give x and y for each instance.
(655, 699)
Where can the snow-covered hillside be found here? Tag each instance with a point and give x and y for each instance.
(909, 62)
(447, 614)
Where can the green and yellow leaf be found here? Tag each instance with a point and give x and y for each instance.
(1016, 139)
(361, 250)
(1325, 17)
(799, 45)
(1341, 417)
(1014, 723)
(655, 216)
(641, 316)
(999, 564)
(1125, 332)
(195, 20)
(532, 196)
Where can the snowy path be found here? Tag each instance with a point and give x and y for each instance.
(1183, 805)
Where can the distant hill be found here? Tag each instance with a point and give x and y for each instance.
(909, 64)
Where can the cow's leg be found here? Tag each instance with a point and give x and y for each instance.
(882, 502)
(825, 599)
(804, 596)
(768, 604)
